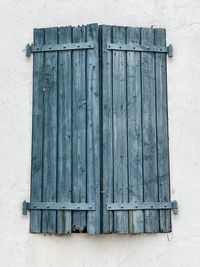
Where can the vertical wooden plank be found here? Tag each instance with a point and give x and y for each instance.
(149, 131)
(162, 131)
(107, 119)
(136, 218)
(50, 132)
(64, 131)
(37, 132)
(79, 129)
(93, 131)
(120, 131)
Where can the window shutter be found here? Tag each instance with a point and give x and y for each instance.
(65, 145)
(135, 134)
(100, 156)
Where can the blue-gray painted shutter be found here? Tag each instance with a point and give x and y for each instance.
(65, 139)
(100, 128)
(135, 155)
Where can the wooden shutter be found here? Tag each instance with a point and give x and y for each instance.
(100, 159)
(65, 145)
(135, 135)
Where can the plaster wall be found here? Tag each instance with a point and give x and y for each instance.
(18, 248)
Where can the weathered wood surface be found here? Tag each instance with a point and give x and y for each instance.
(120, 131)
(162, 131)
(93, 131)
(134, 117)
(100, 124)
(79, 129)
(107, 129)
(37, 132)
(149, 131)
(50, 132)
(64, 183)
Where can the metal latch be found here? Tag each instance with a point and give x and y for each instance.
(57, 47)
(145, 206)
(56, 206)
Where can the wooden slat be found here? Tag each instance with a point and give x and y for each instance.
(79, 129)
(64, 131)
(93, 131)
(120, 131)
(37, 132)
(107, 120)
(50, 132)
(149, 131)
(136, 218)
(162, 131)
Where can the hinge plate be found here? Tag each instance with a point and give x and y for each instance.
(141, 48)
(56, 206)
(58, 47)
(144, 206)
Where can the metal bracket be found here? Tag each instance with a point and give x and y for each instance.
(28, 50)
(141, 48)
(145, 206)
(170, 50)
(57, 47)
(175, 207)
(55, 206)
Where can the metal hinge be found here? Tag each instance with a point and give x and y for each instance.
(145, 206)
(55, 206)
(57, 47)
(141, 48)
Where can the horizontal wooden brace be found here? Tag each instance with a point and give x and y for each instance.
(57, 47)
(145, 206)
(56, 206)
(141, 48)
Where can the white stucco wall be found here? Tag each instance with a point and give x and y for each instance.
(18, 248)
